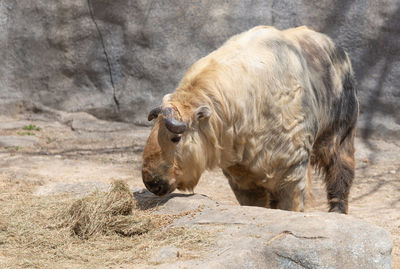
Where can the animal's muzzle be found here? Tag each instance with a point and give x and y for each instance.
(159, 188)
(156, 185)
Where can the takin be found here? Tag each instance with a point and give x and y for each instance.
(265, 107)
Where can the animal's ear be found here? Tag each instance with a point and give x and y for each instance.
(166, 99)
(202, 112)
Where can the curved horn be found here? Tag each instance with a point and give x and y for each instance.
(154, 113)
(173, 125)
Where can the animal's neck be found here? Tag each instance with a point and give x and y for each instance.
(226, 137)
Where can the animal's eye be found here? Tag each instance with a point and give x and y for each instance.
(176, 139)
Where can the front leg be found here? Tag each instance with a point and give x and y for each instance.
(292, 189)
(248, 194)
(292, 196)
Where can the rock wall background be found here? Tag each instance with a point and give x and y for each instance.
(116, 59)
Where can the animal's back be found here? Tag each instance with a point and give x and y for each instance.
(260, 70)
(299, 58)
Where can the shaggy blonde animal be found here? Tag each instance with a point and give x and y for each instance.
(264, 107)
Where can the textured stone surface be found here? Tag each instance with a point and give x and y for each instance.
(17, 141)
(116, 59)
(95, 125)
(10, 125)
(252, 237)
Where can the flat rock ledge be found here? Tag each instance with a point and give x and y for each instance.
(18, 141)
(252, 237)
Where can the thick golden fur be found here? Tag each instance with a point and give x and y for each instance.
(278, 101)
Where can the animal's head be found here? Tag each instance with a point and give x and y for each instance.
(175, 154)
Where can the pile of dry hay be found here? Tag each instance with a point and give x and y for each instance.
(97, 231)
(106, 213)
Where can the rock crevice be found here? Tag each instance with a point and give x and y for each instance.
(91, 12)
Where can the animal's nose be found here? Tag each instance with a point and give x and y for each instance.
(156, 185)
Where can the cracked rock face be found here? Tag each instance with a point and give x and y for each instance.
(253, 237)
(116, 59)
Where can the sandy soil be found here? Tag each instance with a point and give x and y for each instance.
(89, 151)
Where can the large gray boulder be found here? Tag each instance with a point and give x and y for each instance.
(116, 59)
(253, 237)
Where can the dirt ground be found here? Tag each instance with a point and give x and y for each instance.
(87, 150)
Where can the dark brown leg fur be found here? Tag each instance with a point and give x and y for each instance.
(335, 157)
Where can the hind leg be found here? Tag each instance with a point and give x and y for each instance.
(339, 178)
(336, 158)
